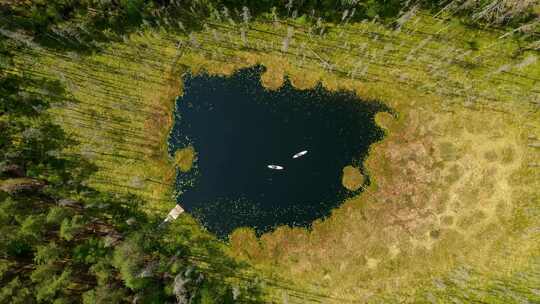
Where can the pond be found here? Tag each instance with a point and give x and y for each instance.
(245, 137)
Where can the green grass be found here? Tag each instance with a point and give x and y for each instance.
(434, 204)
(120, 112)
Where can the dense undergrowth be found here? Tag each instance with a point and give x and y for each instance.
(87, 98)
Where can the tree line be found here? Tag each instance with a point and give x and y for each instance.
(79, 23)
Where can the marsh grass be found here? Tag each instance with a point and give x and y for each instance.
(120, 112)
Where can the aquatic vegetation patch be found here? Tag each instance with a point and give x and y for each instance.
(352, 178)
(268, 157)
(184, 158)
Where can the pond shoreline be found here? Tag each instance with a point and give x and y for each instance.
(239, 127)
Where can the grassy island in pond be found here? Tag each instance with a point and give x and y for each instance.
(352, 178)
(184, 158)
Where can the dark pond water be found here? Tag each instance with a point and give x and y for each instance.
(238, 128)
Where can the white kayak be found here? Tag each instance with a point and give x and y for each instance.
(301, 153)
(275, 167)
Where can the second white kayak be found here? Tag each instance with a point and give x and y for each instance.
(301, 153)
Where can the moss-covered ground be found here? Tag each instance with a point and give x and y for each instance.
(452, 213)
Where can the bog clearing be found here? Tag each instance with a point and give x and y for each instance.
(452, 209)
